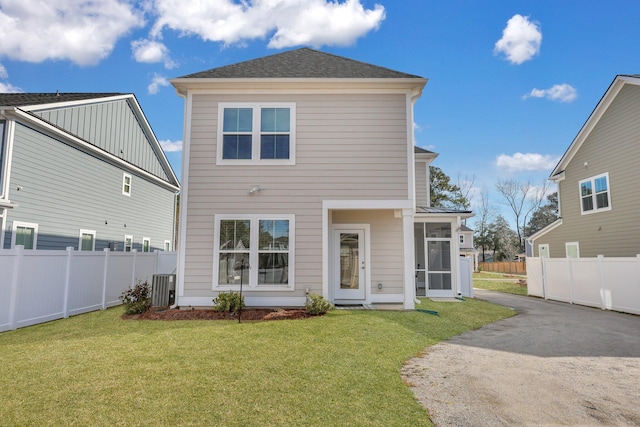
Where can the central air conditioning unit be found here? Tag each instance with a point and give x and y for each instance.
(163, 290)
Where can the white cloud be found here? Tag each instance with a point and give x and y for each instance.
(83, 31)
(3, 72)
(170, 146)
(563, 93)
(526, 162)
(292, 22)
(520, 40)
(9, 88)
(151, 51)
(157, 82)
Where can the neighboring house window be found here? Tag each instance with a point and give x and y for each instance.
(595, 194)
(128, 243)
(126, 184)
(572, 249)
(146, 244)
(461, 239)
(87, 240)
(262, 243)
(25, 234)
(543, 250)
(256, 133)
(167, 245)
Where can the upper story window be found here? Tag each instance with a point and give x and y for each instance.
(595, 195)
(126, 184)
(256, 133)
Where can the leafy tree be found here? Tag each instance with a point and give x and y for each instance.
(503, 239)
(443, 193)
(544, 215)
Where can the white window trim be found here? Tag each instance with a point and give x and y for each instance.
(148, 240)
(593, 194)
(253, 253)
(255, 142)
(91, 232)
(124, 180)
(17, 224)
(566, 248)
(124, 247)
(167, 244)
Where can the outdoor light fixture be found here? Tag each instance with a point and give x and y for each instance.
(254, 189)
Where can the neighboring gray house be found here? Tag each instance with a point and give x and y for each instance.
(597, 181)
(302, 166)
(83, 170)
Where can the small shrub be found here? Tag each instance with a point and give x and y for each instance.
(228, 302)
(317, 305)
(137, 299)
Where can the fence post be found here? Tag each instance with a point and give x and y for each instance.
(104, 280)
(67, 278)
(133, 269)
(603, 285)
(571, 284)
(543, 266)
(19, 251)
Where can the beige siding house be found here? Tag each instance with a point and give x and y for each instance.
(598, 182)
(299, 177)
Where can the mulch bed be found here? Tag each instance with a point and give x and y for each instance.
(248, 314)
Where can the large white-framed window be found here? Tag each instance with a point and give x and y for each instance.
(262, 244)
(25, 234)
(126, 184)
(128, 243)
(595, 194)
(572, 249)
(87, 240)
(146, 244)
(256, 133)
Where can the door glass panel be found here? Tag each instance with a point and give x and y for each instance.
(349, 261)
(439, 256)
(440, 281)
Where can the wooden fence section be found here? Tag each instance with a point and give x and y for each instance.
(607, 283)
(515, 267)
(38, 286)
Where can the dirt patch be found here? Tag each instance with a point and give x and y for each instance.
(249, 314)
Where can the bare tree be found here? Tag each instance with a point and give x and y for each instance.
(523, 199)
(465, 190)
(485, 214)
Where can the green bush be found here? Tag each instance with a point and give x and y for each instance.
(317, 304)
(228, 302)
(137, 299)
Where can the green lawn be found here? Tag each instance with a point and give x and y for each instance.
(341, 369)
(499, 282)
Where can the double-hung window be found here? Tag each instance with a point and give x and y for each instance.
(595, 195)
(256, 250)
(262, 133)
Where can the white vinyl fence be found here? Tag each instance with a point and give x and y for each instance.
(607, 283)
(39, 286)
(466, 276)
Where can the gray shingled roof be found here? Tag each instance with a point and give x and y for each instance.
(24, 99)
(421, 150)
(301, 63)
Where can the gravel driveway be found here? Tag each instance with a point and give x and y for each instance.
(552, 364)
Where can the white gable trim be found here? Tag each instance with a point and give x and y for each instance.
(604, 103)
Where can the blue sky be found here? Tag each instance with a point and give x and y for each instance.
(510, 82)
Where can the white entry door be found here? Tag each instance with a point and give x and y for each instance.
(350, 264)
